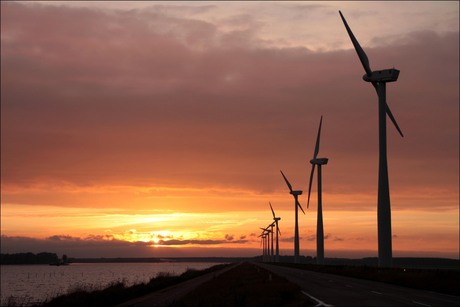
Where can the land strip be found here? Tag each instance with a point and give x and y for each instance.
(167, 296)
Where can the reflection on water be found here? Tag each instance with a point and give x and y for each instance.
(37, 283)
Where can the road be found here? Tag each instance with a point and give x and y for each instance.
(165, 297)
(334, 290)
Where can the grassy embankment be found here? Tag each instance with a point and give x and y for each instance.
(245, 285)
(117, 292)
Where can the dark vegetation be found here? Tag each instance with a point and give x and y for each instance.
(28, 258)
(437, 280)
(118, 292)
(245, 285)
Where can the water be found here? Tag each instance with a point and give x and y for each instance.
(29, 284)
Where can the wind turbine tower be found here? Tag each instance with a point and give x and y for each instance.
(379, 80)
(272, 254)
(319, 222)
(296, 194)
(262, 237)
(278, 231)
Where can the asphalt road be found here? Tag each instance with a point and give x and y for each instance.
(168, 295)
(333, 290)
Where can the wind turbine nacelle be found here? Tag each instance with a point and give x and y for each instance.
(298, 192)
(319, 161)
(386, 75)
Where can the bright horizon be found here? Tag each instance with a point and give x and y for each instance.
(159, 129)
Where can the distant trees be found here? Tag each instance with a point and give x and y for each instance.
(29, 258)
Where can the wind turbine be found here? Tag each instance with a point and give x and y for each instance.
(278, 231)
(266, 233)
(319, 223)
(264, 245)
(379, 80)
(297, 205)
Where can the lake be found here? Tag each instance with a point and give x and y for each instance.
(29, 284)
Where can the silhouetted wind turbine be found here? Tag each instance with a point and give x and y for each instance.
(278, 231)
(379, 80)
(319, 222)
(297, 205)
(266, 233)
(263, 235)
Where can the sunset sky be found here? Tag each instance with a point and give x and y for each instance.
(155, 129)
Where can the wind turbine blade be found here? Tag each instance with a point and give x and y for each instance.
(273, 212)
(309, 185)
(361, 54)
(287, 182)
(390, 115)
(279, 231)
(318, 139)
(298, 204)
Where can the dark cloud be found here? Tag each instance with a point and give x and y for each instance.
(62, 238)
(329, 236)
(177, 242)
(286, 239)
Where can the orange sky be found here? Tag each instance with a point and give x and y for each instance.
(159, 129)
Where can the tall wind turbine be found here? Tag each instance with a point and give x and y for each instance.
(297, 205)
(379, 80)
(278, 231)
(319, 223)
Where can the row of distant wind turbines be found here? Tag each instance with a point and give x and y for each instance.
(378, 80)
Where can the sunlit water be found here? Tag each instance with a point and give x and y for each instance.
(29, 284)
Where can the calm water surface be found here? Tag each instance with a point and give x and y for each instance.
(36, 283)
